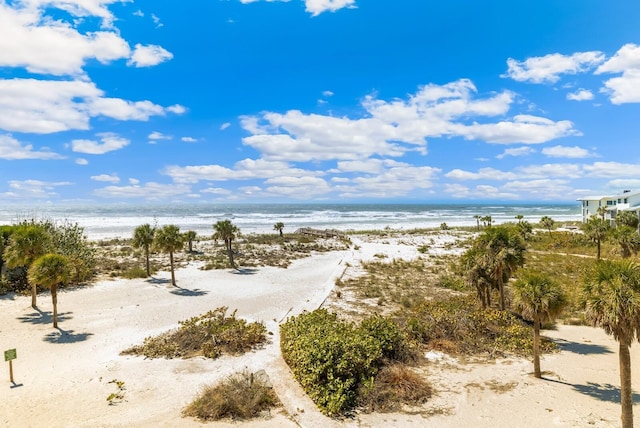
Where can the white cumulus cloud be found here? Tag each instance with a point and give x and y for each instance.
(108, 143)
(12, 149)
(148, 56)
(549, 68)
(109, 178)
(626, 88)
(580, 95)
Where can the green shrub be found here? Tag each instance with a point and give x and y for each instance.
(242, 396)
(209, 335)
(332, 358)
(461, 326)
(135, 272)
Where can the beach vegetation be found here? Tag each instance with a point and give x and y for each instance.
(395, 385)
(210, 335)
(227, 232)
(242, 396)
(611, 293)
(27, 243)
(628, 240)
(278, 227)
(143, 237)
(50, 271)
(627, 218)
(493, 258)
(168, 239)
(134, 272)
(190, 236)
(547, 223)
(597, 230)
(539, 299)
(336, 360)
(457, 325)
(117, 396)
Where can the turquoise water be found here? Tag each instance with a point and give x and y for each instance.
(107, 221)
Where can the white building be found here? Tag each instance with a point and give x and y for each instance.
(613, 204)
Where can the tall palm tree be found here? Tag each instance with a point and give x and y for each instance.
(596, 229)
(503, 252)
(476, 275)
(50, 271)
(547, 222)
(226, 231)
(611, 295)
(190, 236)
(279, 226)
(27, 243)
(168, 239)
(477, 217)
(537, 299)
(143, 238)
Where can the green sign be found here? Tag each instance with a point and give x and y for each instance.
(10, 354)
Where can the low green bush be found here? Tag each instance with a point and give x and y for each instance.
(134, 272)
(332, 358)
(209, 335)
(457, 324)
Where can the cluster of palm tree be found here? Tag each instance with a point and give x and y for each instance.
(485, 220)
(29, 247)
(610, 291)
(624, 234)
(168, 239)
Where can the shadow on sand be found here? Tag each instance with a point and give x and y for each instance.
(582, 348)
(599, 391)
(185, 292)
(62, 336)
(8, 296)
(245, 271)
(40, 317)
(159, 281)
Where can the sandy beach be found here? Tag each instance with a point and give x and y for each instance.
(62, 376)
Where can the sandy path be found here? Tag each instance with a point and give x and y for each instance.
(64, 378)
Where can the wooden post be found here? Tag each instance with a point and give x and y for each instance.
(10, 355)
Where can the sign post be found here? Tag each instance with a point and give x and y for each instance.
(10, 355)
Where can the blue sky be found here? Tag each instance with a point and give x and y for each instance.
(105, 101)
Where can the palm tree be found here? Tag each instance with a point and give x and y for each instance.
(26, 244)
(628, 240)
(519, 217)
(547, 222)
(50, 271)
(169, 240)
(503, 252)
(279, 226)
(627, 218)
(226, 231)
(538, 299)
(596, 229)
(476, 275)
(143, 238)
(190, 236)
(611, 295)
(602, 211)
(477, 217)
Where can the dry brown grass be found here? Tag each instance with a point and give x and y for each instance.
(394, 386)
(242, 396)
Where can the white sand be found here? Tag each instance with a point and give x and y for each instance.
(63, 379)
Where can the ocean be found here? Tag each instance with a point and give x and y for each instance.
(110, 221)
